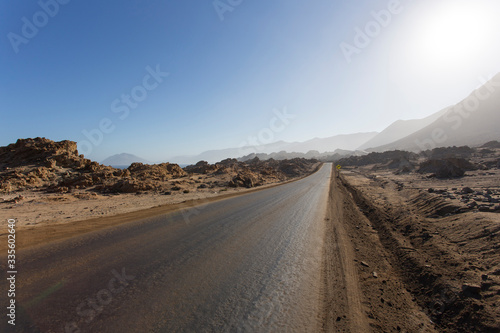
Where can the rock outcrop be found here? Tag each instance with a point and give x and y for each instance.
(154, 172)
(202, 167)
(380, 158)
(44, 164)
(446, 167)
(255, 172)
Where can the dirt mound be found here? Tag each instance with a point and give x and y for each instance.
(447, 167)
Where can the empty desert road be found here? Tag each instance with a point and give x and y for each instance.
(251, 263)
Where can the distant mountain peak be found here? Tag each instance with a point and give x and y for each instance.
(400, 129)
(471, 122)
(124, 159)
(321, 145)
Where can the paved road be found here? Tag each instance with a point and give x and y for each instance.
(247, 264)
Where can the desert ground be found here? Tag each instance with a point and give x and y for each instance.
(48, 184)
(34, 208)
(439, 236)
(411, 241)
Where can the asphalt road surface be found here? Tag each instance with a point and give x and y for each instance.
(251, 263)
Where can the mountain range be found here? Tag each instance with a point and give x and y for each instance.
(400, 129)
(473, 121)
(322, 145)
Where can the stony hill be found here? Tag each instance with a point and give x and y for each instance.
(44, 165)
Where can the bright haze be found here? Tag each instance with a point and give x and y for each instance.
(95, 72)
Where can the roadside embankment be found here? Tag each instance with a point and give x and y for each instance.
(363, 289)
(446, 262)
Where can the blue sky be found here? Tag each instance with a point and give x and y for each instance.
(230, 67)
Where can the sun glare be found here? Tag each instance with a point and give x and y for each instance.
(454, 34)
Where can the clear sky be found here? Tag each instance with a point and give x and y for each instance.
(100, 67)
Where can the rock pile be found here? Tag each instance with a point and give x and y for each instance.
(446, 167)
(40, 163)
(158, 172)
(449, 152)
(202, 167)
(255, 172)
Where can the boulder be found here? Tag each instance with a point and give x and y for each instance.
(467, 190)
(471, 290)
(243, 180)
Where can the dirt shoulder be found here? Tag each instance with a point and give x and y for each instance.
(362, 289)
(446, 258)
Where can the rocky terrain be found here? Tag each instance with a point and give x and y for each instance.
(438, 219)
(51, 166)
(43, 180)
(378, 158)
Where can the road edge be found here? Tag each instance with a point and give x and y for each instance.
(342, 300)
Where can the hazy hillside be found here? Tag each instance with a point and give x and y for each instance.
(473, 121)
(123, 160)
(345, 142)
(400, 129)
